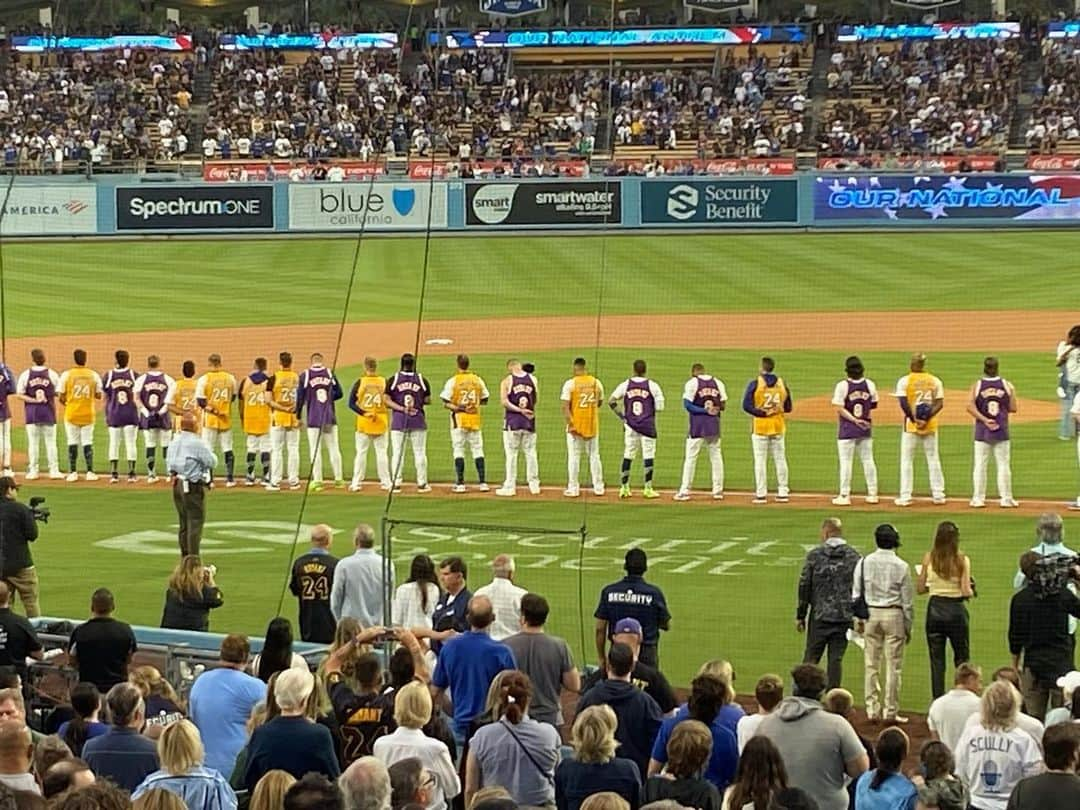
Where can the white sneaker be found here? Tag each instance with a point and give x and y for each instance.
(1008, 503)
(598, 492)
(8, 472)
(384, 487)
(55, 475)
(1074, 505)
(782, 498)
(573, 492)
(940, 501)
(718, 496)
(230, 484)
(506, 492)
(354, 487)
(91, 476)
(294, 485)
(760, 499)
(71, 477)
(902, 502)
(272, 487)
(534, 489)
(151, 479)
(423, 488)
(840, 500)
(681, 496)
(457, 488)
(976, 503)
(33, 476)
(484, 488)
(871, 499)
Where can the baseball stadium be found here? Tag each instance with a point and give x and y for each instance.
(596, 214)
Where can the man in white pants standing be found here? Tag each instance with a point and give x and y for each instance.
(367, 401)
(463, 395)
(767, 399)
(152, 393)
(407, 393)
(319, 389)
(854, 399)
(284, 426)
(921, 396)
(518, 392)
(992, 400)
(641, 398)
(704, 397)
(38, 387)
(7, 388)
(581, 397)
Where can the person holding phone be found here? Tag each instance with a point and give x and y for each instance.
(191, 595)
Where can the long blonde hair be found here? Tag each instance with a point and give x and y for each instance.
(159, 799)
(149, 681)
(180, 748)
(188, 577)
(593, 735)
(1000, 706)
(345, 632)
(269, 793)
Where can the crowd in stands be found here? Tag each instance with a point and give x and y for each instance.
(377, 732)
(1055, 109)
(926, 96)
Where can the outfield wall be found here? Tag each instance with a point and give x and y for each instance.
(44, 206)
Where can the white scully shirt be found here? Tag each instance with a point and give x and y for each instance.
(505, 599)
(991, 763)
(888, 583)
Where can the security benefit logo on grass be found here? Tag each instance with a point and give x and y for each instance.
(720, 202)
(367, 206)
(195, 208)
(563, 204)
(219, 537)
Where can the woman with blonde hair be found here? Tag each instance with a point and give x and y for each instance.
(345, 647)
(269, 793)
(946, 576)
(163, 705)
(412, 711)
(594, 766)
(191, 595)
(605, 800)
(158, 799)
(180, 751)
(688, 751)
(515, 751)
(993, 754)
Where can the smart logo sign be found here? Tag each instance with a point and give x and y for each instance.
(719, 202)
(366, 206)
(195, 208)
(570, 203)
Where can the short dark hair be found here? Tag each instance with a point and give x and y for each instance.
(1008, 674)
(367, 669)
(767, 364)
(285, 358)
(854, 368)
(708, 694)
(455, 565)
(235, 649)
(101, 795)
(404, 780)
(990, 366)
(463, 362)
(636, 561)
(809, 681)
(579, 361)
(313, 792)
(640, 367)
(102, 601)
(620, 659)
(408, 361)
(769, 691)
(534, 609)
(79, 356)
(260, 363)
(37, 356)
(1061, 743)
(401, 667)
(122, 358)
(188, 368)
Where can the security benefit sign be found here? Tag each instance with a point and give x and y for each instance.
(719, 202)
(941, 199)
(366, 206)
(556, 204)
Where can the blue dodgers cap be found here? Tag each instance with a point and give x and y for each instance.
(628, 625)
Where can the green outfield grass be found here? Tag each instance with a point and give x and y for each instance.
(729, 571)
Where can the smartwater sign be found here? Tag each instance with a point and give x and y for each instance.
(195, 208)
(719, 202)
(367, 206)
(571, 203)
(48, 210)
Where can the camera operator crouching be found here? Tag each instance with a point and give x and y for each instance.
(18, 528)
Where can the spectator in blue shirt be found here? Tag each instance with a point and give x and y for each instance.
(183, 773)
(85, 703)
(885, 787)
(634, 598)
(453, 601)
(221, 703)
(468, 663)
(123, 755)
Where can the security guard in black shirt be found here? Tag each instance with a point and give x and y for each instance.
(633, 598)
(17, 530)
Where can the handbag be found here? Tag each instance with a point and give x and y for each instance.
(859, 609)
(548, 778)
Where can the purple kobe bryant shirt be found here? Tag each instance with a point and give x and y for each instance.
(407, 389)
(992, 400)
(523, 395)
(7, 388)
(859, 403)
(702, 425)
(640, 407)
(39, 386)
(120, 409)
(319, 395)
(152, 396)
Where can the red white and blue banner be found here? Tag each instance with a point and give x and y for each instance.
(940, 30)
(39, 44)
(619, 38)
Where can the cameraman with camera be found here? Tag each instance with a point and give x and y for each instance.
(18, 528)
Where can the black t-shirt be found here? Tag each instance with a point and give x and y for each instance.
(103, 647)
(688, 792)
(312, 579)
(362, 719)
(1047, 791)
(648, 679)
(17, 640)
(17, 530)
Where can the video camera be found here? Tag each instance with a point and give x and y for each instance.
(40, 513)
(1052, 573)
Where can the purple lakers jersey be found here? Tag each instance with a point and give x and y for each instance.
(40, 388)
(992, 400)
(409, 390)
(703, 425)
(859, 402)
(7, 388)
(639, 405)
(155, 388)
(320, 390)
(523, 395)
(120, 408)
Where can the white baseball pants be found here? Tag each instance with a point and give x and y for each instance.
(318, 437)
(257, 442)
(5, 443)
(80, 435)
(418, 440)
(716, 461)
(35, 434)
(379, 443)
(634, 442)
(156, 437)
(129, 435)
(1002, 453)
(764, 446)
(847, 449)
(284, 446)
(929, 444)
(460, 439)
(575, 446)
(221, 438)
(524, 441)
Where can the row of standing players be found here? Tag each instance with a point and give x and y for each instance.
(390, 413)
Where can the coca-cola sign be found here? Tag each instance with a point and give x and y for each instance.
(224, 171)
(937, 163)
(1053, 163)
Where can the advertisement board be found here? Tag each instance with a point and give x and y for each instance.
(48, 210)
(377, 206)
(251, 171)
(918, 199)
(194, 208)
(935, 30)
(618, 37)
(512, 8)
(911, 163)
(690, 202)
(558, 204)
(41, 43)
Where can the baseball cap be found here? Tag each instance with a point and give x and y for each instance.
(636, 561)
(886, 536)
(633, 626)
(1069, 682)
